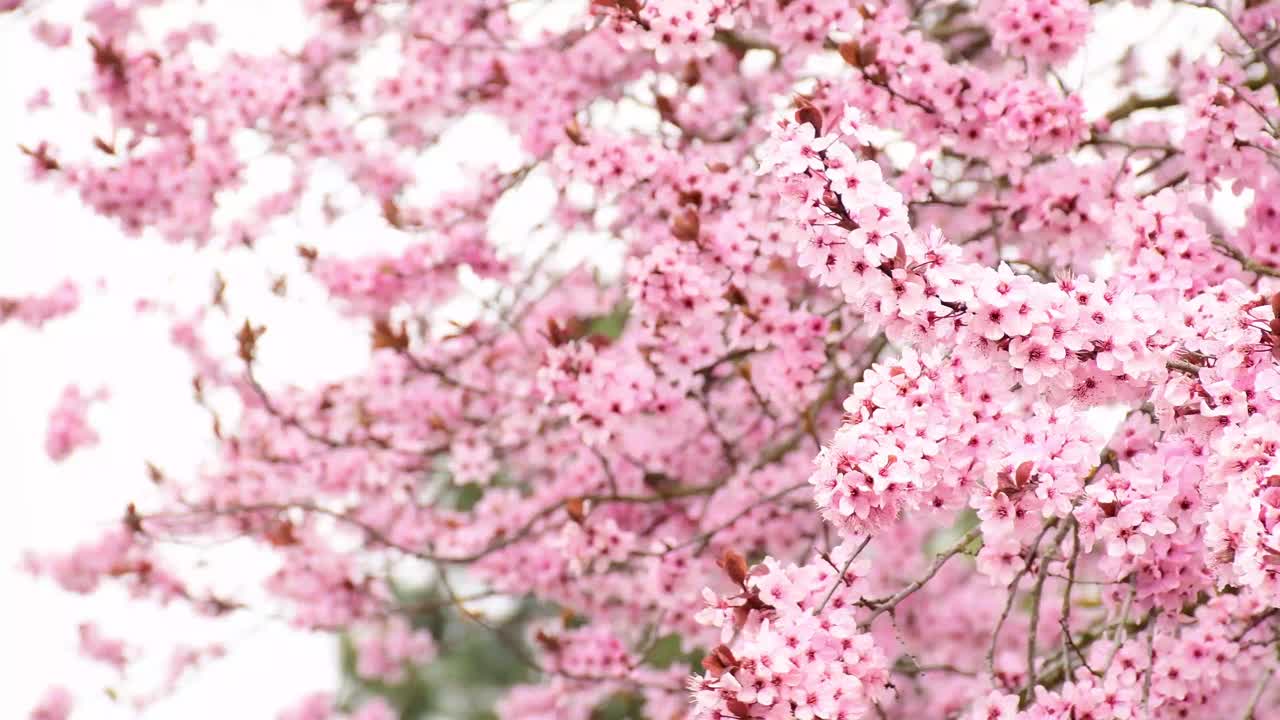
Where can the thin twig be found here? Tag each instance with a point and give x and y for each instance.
(1036, 591)
(1064, 619)
(1151, 667)
(1250, 712)
(1246, 262)
(1013, 591)
(938, 561)
(840, 579)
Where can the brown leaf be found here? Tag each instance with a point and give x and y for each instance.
(851, 53)
(41, 156)
(132, 520)
(391, 213)
(1013, 483)
(734, 565)
(659, 481)
(550, 642)
(719, 660)
(346, 10)
(686, 225)
(558, 333)
(740, 709)
(574, 132)
(691, 197)
(107, 58)
(386, 336)
(712, 665)
(247, 340)
(575, 508)
(280, 534)
(807, 112)
(1023, 473)
(221, 607)
(308, 253)
(666, 108)
(692, 75)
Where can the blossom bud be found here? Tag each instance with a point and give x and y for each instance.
(574, 132)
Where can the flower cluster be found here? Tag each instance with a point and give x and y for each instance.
(55, 705)
(36, 310)
(800, 652)
(69, 428)
(1049, 31)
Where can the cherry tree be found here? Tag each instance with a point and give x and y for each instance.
(847, 346)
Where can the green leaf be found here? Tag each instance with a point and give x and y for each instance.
(612, 323)
(620, 706)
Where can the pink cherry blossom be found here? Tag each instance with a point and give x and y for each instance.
(893, 360)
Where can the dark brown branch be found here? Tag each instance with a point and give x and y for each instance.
(1246, 262)
(938, 561)
(1135, 103)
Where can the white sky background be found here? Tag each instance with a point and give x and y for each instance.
(45, 237)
